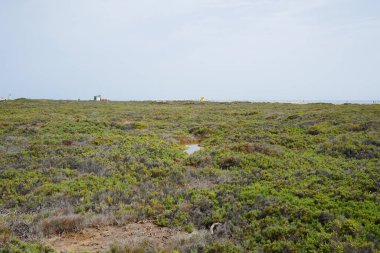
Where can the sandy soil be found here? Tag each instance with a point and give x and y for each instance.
(99, 239)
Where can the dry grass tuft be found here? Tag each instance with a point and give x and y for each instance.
(62, 224)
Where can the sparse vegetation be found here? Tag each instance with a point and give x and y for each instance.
(278, 177)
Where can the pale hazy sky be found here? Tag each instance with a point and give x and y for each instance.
(184, 49)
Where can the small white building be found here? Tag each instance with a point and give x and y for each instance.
(98, 98)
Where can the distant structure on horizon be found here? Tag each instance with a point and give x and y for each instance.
(99, 98)
(4, 99)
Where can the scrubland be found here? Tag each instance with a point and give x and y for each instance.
(278, 177)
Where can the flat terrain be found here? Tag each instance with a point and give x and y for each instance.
(102, 238)
(114, 176)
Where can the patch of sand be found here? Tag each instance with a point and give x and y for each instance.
(100, 239)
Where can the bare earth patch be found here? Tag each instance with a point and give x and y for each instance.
(100, 239)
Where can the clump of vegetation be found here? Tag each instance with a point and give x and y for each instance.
(5, 235)
(276, 177)
(262, 148)
(17, 246)
(230, 162)
(62, 224)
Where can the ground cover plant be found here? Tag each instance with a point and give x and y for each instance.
(277, 177)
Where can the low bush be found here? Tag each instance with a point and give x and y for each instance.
(262, 148)
(230, 162)
(62, 224)
(5, 235)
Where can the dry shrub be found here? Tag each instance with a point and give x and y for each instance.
(99, 221)
(230, 162)
(116, 219)
(5, 235)
(67, 142)
(21, 229)
(313, 131)
(62, 224)
(194, 242)
(200, 160)
(201, 131)
(262, 148)
(142, 247)
(188, 140)
(88, 165)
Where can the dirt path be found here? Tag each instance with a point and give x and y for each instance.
(99, 239)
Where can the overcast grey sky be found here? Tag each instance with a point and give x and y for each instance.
(185, 49)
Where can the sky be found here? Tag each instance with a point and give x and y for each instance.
(186, 49)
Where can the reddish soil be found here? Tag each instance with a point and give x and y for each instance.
(100, 239)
